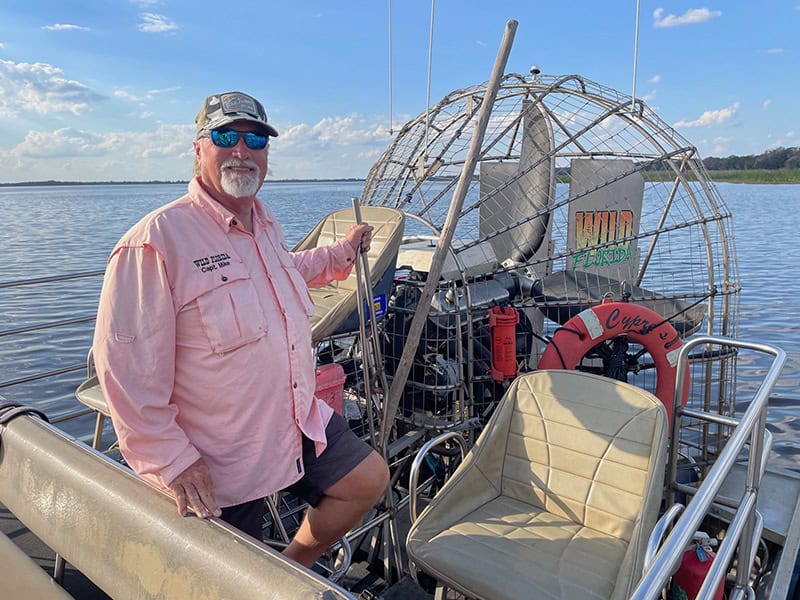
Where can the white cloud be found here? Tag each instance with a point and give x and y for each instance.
(690, 17)
(766, 104)
(370, 154)
(790, 134)
(45, 152)
(165, 141)
(720, 145)
(153, 23)
(315, 149)
(352, 130)
(41, 88)
(302, 150)
(61, 143)
(654, 79)
(64, 27)
(147, 96)
(711, 117)
(775, 51)
(145, 2)
(175, 141)
(480, 43)
(649, 97)
(2, 45)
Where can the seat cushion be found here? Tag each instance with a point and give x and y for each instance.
(90, 394)
(510, 549)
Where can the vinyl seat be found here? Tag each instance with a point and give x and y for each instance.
(336, 303)
(556, 499)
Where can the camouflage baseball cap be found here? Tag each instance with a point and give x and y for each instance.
(221, 109)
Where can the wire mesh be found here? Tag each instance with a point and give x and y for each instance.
(553, 144)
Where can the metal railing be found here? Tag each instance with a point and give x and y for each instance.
(44, 326)
(745, 527)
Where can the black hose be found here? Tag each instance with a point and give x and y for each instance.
(11, 410)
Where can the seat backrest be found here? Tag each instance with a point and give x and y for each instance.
(336, 302)
(584, 447)
(386, 236)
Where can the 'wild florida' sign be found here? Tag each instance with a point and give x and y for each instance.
(604, 218)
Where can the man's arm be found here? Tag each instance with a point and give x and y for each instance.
(322, 265)
(134, 353)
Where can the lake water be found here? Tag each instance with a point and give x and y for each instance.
(69, 229)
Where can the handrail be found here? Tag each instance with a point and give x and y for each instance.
(42, 375)
(49, 325)
(413, 478)
(659, 531)
(51, 279)
(46, 325)
(752, 424)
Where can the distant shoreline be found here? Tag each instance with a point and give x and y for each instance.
(721, 176)
(158, 182)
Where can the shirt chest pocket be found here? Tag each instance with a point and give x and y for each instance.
(297, 282)
(232, 316)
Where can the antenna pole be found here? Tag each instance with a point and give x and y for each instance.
(391, 125)
(430, 63)
(635, 56)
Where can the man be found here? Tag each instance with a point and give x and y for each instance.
(203, 348)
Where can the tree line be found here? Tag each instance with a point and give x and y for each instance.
(778, 158)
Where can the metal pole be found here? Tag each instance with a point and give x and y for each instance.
(391, 128)
(446, 237)
(362, 332)
(377, 354)
(428, 96)
(391, 536)
(635, 57)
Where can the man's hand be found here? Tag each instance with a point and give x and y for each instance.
(194, 489)
(360, 236)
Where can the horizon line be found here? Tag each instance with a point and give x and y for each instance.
(163, 181)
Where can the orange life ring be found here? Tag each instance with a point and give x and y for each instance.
(573, 340)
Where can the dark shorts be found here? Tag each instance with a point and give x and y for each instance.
(345, 450)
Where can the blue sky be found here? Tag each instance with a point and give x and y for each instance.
(99, 90)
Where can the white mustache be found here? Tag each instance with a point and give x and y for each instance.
(235, 162)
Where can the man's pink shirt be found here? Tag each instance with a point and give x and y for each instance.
(203, 346)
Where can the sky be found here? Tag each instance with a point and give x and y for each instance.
(107, 90)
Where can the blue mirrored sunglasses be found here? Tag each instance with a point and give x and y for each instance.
(227, 138)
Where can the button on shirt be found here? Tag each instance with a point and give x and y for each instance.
(203, 346)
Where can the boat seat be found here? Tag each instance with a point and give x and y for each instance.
(556, 499)
(336, 305)
(91, 395)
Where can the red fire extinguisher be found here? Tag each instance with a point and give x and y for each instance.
(503, 326)
(695, 564)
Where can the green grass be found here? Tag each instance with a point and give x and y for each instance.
(757, 176)
(741, 176)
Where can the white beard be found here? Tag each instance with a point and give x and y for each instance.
(239, 185)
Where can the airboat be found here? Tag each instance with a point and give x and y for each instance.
(545, 352)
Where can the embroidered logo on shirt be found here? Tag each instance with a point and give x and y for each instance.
(208, 264)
